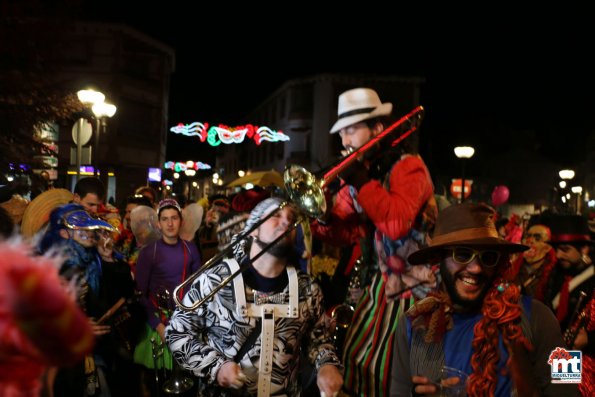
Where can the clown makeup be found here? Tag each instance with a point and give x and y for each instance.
(536, 238)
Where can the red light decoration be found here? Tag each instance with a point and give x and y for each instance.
(215, 135)
(188, 165)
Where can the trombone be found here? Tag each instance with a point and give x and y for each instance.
(305, 191)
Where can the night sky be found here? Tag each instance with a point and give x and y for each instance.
(488, 84)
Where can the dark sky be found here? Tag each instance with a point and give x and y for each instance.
(489, 84)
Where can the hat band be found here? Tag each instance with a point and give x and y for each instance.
(570, 238)
(356, 111)
(466, 234)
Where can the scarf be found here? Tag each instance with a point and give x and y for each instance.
(82, 260)
(432, 314)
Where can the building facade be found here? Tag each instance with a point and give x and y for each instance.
(305, 109)
(133, 71)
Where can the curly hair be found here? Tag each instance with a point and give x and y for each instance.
(501, 316)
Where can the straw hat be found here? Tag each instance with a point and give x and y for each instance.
(38, 211)
(357, 105)
(468, 225)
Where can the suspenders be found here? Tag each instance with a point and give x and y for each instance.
(267, 312)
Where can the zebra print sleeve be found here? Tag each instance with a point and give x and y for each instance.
(321, 351)
(186, 332)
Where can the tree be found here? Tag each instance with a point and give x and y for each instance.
(31, 91)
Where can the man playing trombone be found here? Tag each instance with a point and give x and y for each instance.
(383, 212)
(248, 336)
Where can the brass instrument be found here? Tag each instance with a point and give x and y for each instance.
(158, 351)
(341, 315)
(305, 191)
(577, 321)
(178, 383)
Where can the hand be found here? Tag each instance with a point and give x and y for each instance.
(105, 247)
(356, 174)
(328, 198)
(98, 329)
(230, 375)
(423, 385)
(329, 380)
(160, 328)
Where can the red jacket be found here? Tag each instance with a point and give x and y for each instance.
(392, 211)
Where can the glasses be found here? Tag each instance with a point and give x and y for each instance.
(536, 236)
(465, 255)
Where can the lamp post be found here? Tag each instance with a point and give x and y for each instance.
(87, 98)
(566, 175)
(102, 111)
(578, 190)
(464, 153)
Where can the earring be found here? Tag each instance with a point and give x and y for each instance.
(586, 259)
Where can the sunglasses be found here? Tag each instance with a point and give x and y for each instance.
(536, 236)
(465, 255)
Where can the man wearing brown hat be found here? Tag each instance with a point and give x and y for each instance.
(478, 322)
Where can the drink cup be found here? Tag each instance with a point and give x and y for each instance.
(453, 382)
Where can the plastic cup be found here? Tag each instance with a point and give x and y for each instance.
(449, 385)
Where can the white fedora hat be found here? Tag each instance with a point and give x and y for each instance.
(357, 105)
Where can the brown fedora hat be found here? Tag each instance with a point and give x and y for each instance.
(468, 224)
(38, 211)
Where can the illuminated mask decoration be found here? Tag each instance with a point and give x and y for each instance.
(215, 135)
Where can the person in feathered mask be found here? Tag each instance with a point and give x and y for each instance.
(478, 322)
(40, 323)
(251, 332)
(85, 243)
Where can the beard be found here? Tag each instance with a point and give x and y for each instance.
(449, 281)
(283, 249)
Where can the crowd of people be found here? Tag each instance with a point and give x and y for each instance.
(453, 298)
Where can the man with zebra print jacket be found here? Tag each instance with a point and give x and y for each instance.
(248, 337)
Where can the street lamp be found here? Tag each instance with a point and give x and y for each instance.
(464, 153)
(566, 175)
(87, 98)
(102, 111)
(578, 190)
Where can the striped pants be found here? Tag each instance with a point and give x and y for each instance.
(369, 343)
